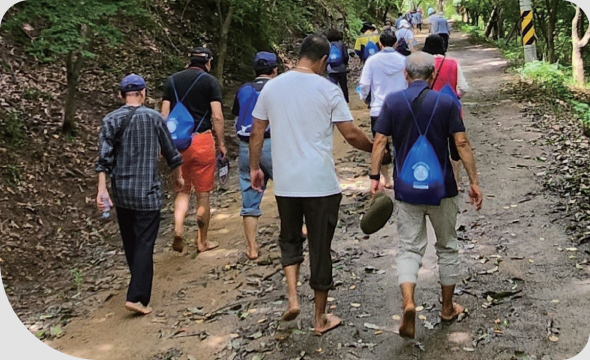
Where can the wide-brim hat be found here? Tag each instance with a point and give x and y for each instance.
(378, 214)
(367, 26)
(434, 45)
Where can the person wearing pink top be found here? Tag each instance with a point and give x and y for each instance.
(448, 72)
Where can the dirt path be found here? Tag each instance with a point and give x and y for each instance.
(519, 288)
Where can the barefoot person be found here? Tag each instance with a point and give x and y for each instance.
(302, 108)
(129, 146)
(265, 67)
(447, 72)
(424, 184)
(382, 75)
(202, 98)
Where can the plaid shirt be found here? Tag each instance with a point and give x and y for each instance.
(135, 181)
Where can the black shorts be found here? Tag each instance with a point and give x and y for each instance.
(321, 217)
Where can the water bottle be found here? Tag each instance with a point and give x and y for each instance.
(106, 212)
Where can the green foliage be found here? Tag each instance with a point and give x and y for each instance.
(35, 94)
(77, 279)
(549, 76)
(582, 111)
(13, 128)
(11, 174)
(67, 26)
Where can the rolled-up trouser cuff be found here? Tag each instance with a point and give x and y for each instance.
(253, 212)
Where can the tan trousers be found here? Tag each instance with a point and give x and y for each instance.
(413, 238)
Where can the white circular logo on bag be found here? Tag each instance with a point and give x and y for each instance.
(171, 124)
(421, 172)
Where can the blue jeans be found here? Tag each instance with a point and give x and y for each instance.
(251, 198)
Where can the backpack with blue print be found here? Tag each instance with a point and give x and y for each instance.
(421, 179)
(247, 97)
(335, 58)
(180, 122)
(370, 50)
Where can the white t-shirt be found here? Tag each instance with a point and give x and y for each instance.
(302, 109)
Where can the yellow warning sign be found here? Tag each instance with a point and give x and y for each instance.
(528, 29)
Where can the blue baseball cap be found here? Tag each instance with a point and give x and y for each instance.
(265, 59)
(132, 82)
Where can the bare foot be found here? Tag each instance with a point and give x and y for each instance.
(449, 316)
(291, 314)
(407, 328)
(327, 323)
(138, 308)
(178, 244)
(209, 245)
(252, 252)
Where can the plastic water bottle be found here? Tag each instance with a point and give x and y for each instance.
(106, 212)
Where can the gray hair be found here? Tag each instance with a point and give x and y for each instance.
(420, 65)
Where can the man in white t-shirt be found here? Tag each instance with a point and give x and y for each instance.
(302, 108)
(383, 74)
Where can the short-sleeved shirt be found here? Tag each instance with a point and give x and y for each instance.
(302, 109)
(198, 101)
(396, 121)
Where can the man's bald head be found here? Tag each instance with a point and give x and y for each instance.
(420, 66)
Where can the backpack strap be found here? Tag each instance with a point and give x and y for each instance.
(122, 128)
(192, 85)
(439, 70)
(201, 122)
(412, 110)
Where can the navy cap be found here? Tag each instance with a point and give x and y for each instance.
(265, 59)
(132, 82)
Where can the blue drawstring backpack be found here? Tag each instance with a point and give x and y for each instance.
(421, 178)
(247, 98)
(370, 50)
(180, 122)
(335, 58)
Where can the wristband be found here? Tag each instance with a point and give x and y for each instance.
(375, 177)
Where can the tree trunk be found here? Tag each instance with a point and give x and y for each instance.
(73, 68)
(441, 5)
(491, 22)
(500, 24)
(223, 37)
(577, 46)
(550, 36)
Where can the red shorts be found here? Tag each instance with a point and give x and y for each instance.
(198, 167)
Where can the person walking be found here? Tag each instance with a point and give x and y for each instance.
(405, 37)
(387, 25)
(417, 20)
(338, 61)
(201, 95)
(431, 20)
(400, 17)
(305, 181)
(266, 68)
(366, 44)
(382, 75)
(447, 73)
(130, 142)
(441, 27)
(421, 121)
